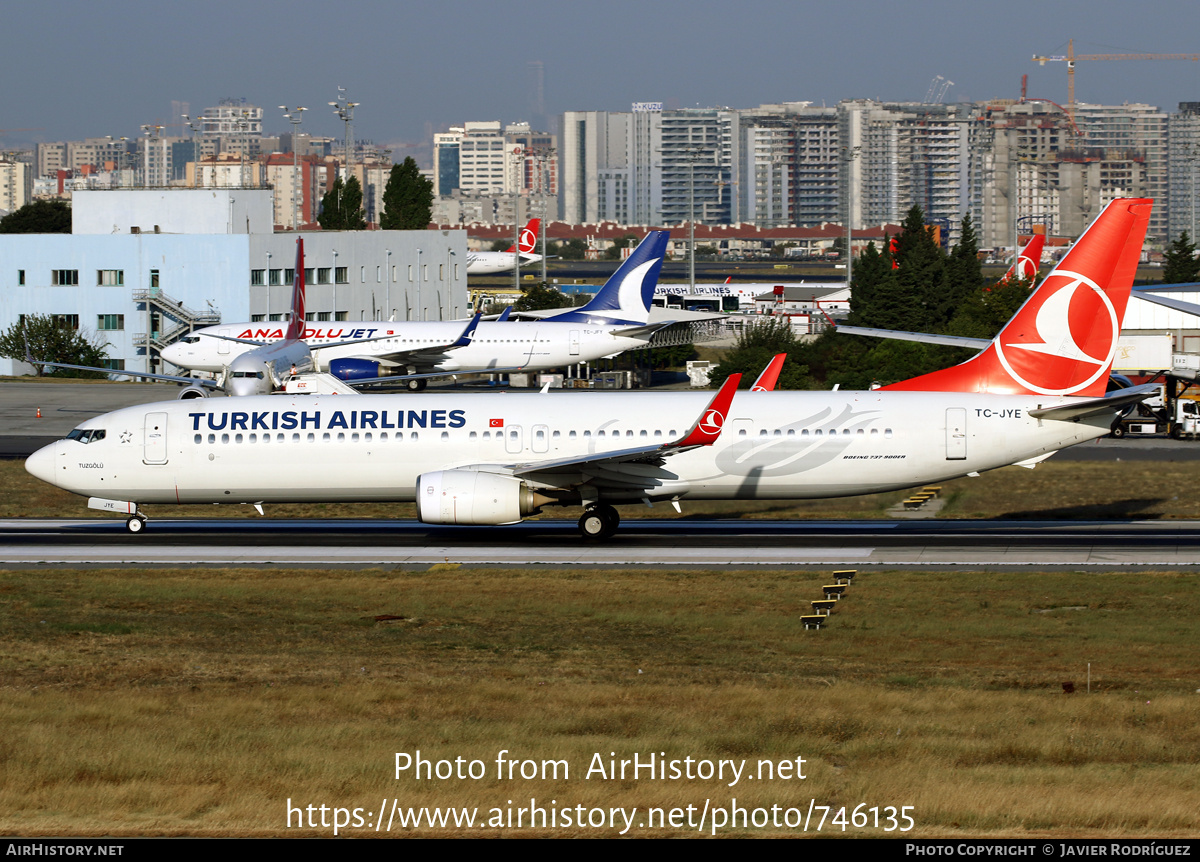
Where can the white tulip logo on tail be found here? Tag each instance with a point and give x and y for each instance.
(712, 422)
(1065, 344)
(1027, 268)
(528, 240)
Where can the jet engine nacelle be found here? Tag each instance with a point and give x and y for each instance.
(190, 392)
(472, 497)
(354, 369)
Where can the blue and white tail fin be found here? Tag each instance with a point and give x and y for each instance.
(627, 296)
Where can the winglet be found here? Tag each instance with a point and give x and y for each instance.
(504, 314)
(296, 323)
(468, 332)
(712, 419)
(766, 381)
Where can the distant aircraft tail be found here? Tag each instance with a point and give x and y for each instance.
(1062, 341)
(527, 244)
(627, 295)
(296, 321)
(1025, 267)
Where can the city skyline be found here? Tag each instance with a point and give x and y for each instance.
(470, 60)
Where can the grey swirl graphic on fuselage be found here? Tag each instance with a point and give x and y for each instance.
(767, 456)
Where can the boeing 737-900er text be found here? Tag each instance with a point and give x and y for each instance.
(496, 458)
(488, 262)
(614, 320)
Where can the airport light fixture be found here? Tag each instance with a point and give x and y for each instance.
(295, 116)
(344, 109)
(152, 133)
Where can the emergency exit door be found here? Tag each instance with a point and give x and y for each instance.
(956, 433)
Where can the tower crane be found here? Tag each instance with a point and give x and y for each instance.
(1072, 58)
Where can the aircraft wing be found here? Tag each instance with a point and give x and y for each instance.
(638, 466)
(170, 378)
(431, 374)
(1110, 403)
(429, 354)
(928, 338)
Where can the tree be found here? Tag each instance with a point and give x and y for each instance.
(38, 217)
(407, 198)
(572, 249)
(1181, 265)
(613, 252)
(755, 347)
(538, 296)
(53, 339)
(341, 208)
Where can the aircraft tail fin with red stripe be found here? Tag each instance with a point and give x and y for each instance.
(1062, 341)
(296, 322)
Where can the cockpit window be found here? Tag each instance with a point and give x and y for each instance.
(86, 435)
(251, 374)
(191, 339)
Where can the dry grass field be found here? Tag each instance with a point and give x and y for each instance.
(172, 702)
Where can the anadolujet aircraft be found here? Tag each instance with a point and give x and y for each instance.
(615, 320)
(496, 458)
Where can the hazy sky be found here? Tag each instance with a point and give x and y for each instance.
(73, 69)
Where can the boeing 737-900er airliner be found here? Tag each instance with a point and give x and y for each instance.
(361, 352)
(496, 458)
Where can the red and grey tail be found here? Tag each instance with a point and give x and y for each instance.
(528, 239)
(296, 322)
(1025, 267)
(1062, 341)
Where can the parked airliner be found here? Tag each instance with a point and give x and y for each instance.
(487, 262)
(496, 458)
(358, 352)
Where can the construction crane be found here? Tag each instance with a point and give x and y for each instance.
(1071, 58)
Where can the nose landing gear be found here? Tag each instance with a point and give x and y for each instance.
(135, 524)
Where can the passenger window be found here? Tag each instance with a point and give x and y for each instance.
(212, 438)
(198, 438)
(224, 438)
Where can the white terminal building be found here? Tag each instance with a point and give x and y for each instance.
(142, 268)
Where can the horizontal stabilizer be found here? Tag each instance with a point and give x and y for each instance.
(928, 338)
(1168, 302)
(1110, 403)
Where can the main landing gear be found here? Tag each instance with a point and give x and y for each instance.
(417, 385)
(135, 524)
(599, 522)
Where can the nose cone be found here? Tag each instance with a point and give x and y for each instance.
(173, 353)
(42, 462)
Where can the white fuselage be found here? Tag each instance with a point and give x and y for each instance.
(774, 445)
(488, 262)
(509, 344)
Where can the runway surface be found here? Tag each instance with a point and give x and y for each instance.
(331, 543)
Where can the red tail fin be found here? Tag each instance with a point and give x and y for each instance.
(529, 236)
(1063, 339)
(1025, 267)
(296, 322)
